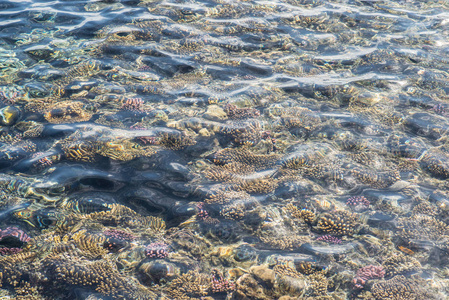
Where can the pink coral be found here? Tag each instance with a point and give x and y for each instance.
(202, 213)
(366, 273)
(42, 160)
(219, 284)
(157, 250)
(10, 251)
(358, 202)
(133, 104)
(329, 239)
(151, 140)
(14, 232)
(116, 239)
(119, 234)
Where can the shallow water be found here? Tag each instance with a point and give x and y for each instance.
(224, 150)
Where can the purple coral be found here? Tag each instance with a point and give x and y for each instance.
(366, 273)
(9, 99)
(202, 213)
(235, 112)
(133, 104)
(10, 251)
(151, 140)
(14, 232)
(119, 234)
(42, 160)
(358, 202)
(329, 239)
(440, 109)
(116, 239)
(219, 284)
(157, 250)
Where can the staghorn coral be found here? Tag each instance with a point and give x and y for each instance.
(308, 268)
(284, 269)
(400, 264)
(421, 227)
(436, 162)
(376, 179)
(235, 112)
(398, 288)
(122, 150)
(126, 217)
(10, 137)
(318, 284)
(294, 211)
(298, 117)
(245, 157)
(30, 129)
(257, 186)
(13, 267)
(309, 156)
(110, 120)
(307, 215)
(324, 171)
(426, 208)
(338, 223)
(91, 245)
(284, 241)
(188, 241)
(83, 69)
(219, 174)
(222, 196)
(247, 133)
(176, 141)
(191, 285)
(238, 168)
(102, 276)
(234, 211)
(80, 151)
(27, 291)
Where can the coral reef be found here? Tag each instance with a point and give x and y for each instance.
(265, 150)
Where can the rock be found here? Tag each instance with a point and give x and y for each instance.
(249, 288)
(215, 113)
(204, 132)
(9, 115)
(264, 274)
(288, 298)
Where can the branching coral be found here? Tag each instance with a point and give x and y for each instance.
(338, 223)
